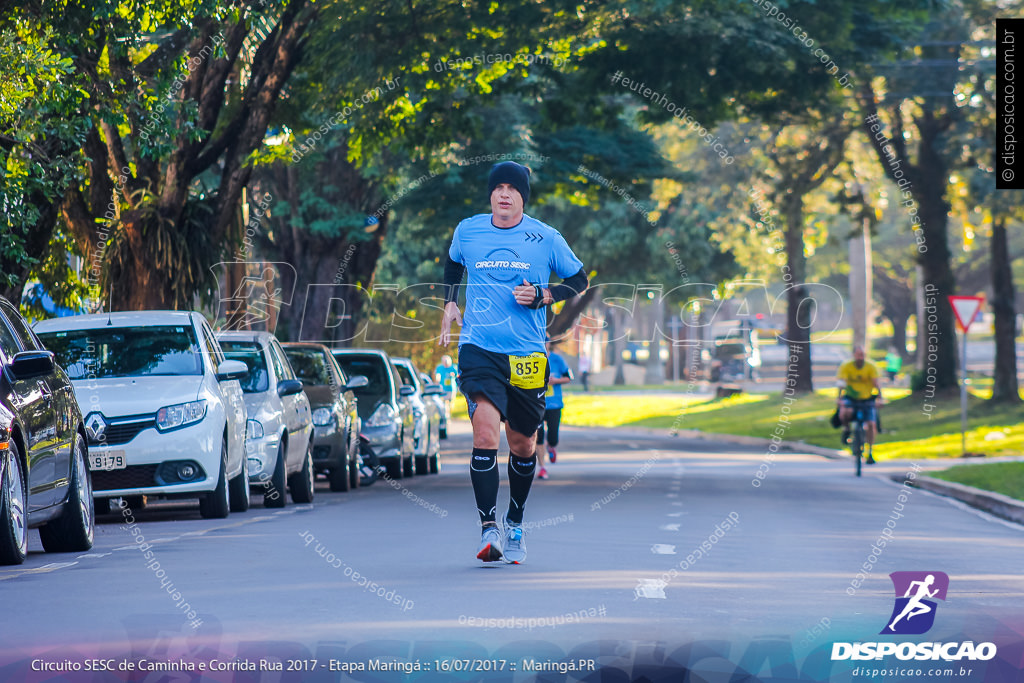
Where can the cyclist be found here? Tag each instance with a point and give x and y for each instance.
(445, 374)
(503, 371)
(859, 387)
(560, 374)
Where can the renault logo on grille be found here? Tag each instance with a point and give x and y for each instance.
(96, 427)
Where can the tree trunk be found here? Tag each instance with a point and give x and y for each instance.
(1004, 387)
(940, 333)
(899, 333)
(798, 304)
(860, 284)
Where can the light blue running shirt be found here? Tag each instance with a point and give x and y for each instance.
(496, 260)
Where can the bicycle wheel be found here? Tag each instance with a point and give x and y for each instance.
(858, 445)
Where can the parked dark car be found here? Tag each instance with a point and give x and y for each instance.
(335, 418)
(383, 407)
(44, 478)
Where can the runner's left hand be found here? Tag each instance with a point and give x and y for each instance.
(524, 293)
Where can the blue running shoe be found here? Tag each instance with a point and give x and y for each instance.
(515, 545)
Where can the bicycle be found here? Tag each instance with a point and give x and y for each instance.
(857, 431)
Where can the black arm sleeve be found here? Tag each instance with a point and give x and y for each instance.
(453, 272)
(570, 287)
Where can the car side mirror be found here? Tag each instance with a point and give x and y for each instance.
(406, 390)
(433, 390)
(232, 369)
(289, 387)
(29, 364)
(357, 381)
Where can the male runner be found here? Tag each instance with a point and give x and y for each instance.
(502, 367)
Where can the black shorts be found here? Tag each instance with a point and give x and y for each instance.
(488, 373)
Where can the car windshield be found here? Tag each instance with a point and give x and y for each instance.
(406, 375)
(249, 353)
(731, 350)
(375, 371)
(126, 351)
(310, 365)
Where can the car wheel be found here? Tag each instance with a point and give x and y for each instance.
(101, 506)
(339, 477)
(422, 464)
(13, 512)
(435, 462)
(353, 463)
(238, 490)
(300, 484)
(408, 468)
(217, 503)
(74, 530)
(393, 467)
(273, 494)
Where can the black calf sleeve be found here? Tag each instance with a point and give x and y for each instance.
(520, 478)
(483, 472)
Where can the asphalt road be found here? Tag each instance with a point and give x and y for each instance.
(621, 510)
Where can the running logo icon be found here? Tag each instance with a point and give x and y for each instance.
(916, 592)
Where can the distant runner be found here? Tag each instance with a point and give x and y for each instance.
(893, 364)
(560, 374)
(503, 371)
(446, 375)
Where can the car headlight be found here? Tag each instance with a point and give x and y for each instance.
(382, 417)
(253, 429)
(323, 417)
(180, 415)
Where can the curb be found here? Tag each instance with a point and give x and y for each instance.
(989, 501)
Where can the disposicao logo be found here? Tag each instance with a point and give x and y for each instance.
(914, 614)
(914, 611)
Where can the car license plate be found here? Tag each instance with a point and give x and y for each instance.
(108, 460)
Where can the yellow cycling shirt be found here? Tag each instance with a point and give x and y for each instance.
(860, 382)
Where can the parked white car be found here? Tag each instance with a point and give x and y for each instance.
(164, 412)
(279, 431)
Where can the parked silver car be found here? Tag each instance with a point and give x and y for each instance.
(278, 443)
(427, 429)
(436, 393)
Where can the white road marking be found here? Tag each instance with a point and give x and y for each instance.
(650, 588)
(669, 527)
(676, 514)
(53, 566)
(92, 555)
(663, 549)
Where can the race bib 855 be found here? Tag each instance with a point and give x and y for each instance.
(527, 372)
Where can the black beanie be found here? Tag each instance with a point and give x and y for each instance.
(516, 175)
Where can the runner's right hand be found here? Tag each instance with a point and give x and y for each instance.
(451, 312)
